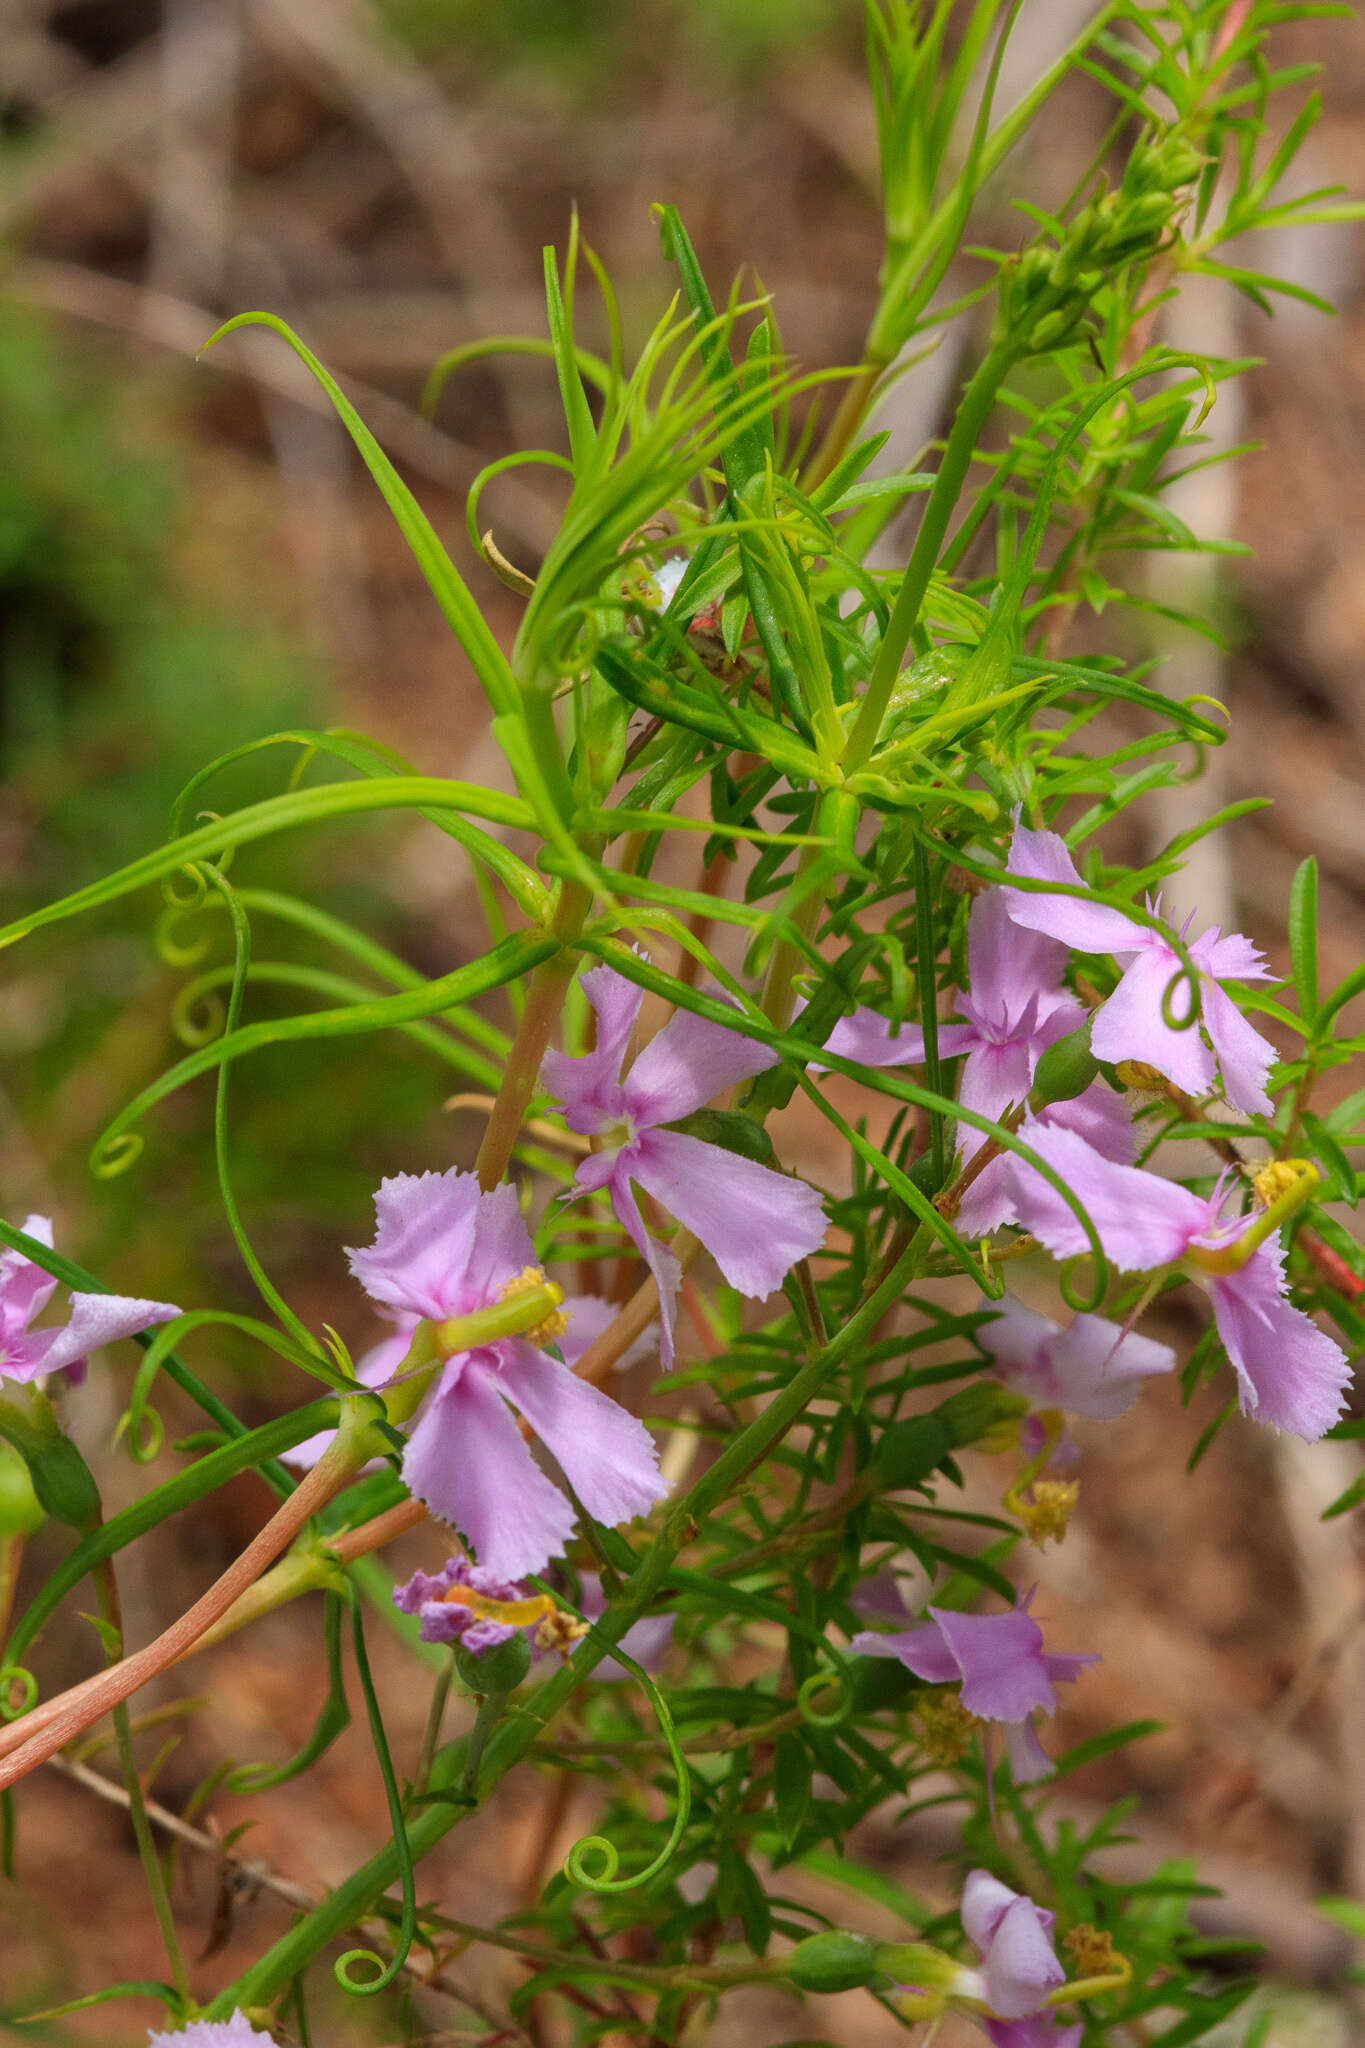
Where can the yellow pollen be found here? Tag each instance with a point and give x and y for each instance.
(1047, 1508)
(550, 1328)
(1276, 1178)
(946, 1728)
(559, 1631)
(1092, 1951)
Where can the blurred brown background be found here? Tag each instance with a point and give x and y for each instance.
(190, 555)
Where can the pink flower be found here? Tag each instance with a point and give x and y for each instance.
(1015, 1009)
(237, 2032)
(1130, 1026)
(1290, 1374)
(1092, 1368)
(26, 1288)
(443, 1249)
(998, 1659)
(1018, 1962)
(754, 1222)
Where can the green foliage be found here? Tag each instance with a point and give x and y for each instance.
(867, 740)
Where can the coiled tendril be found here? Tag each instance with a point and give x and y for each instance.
(823, 1681)
(12, 1675)
(114, 1155)
(598, 1846)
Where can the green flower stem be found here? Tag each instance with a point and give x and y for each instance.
(106, 1588)
(978, 403)
(516, 1735)
(545, 1000)
(49, 1727)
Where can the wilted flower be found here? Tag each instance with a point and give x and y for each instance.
(756, 1223)
(1289, 1373)
(25, 1290)
(998, 1659)
(443, 1250)
(1131, 1025)
(1093, 1367)
(462, 1603)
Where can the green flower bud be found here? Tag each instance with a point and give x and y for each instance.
(65, 1485)
(1065, 1070)
(20, 1510)
(832, 1961)
(498, 1670)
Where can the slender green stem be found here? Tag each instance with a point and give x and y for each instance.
(106, 1588)
(431, 1734)
(926, 953)
(978, 402)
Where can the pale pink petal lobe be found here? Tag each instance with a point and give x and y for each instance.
(754, 1222)
(607, 1454)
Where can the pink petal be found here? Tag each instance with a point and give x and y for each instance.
(873, 1041)
(1100, 1116)
(606, 1454)
(236, 2032)
(1020, 1965)
(425, 1238)
(1290, 1374)
(1000, 1657)
(1231, 959)
(96, 1319)
(26, 1288)
(689, 1064)
(1130, 1026)
(1244, 1057)
(468, 1461)
(1009, 963)
(659, 1259)
(1141, 1220)
(1090, 927)
(922, 1650)
(754, 1222)
(1039, 2030)
(1097, 1369)
(1030, 1763)
(994, 1078)
(985, 1902)
(1016, 1338)
(589, 1085)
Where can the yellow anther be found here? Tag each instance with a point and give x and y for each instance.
(1046, 1509)
(1276, 1178)
(946, 1728)
(530, 1280)
(559, 1631)
(1091, 1950)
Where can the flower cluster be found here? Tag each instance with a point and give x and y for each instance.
(1289, 1373)
(445, 1250)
